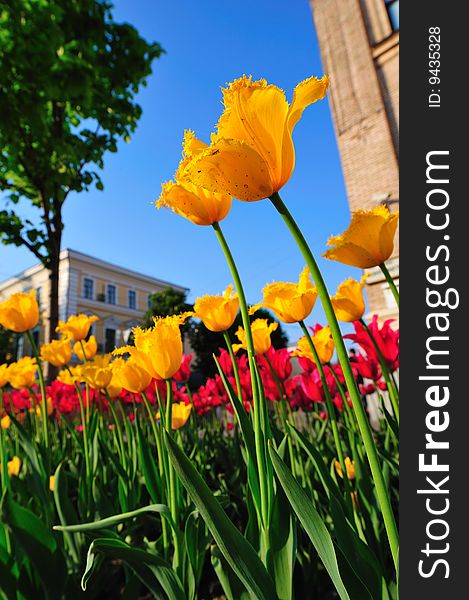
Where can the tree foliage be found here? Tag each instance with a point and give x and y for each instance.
(164, 304)
(204, 343)
(70, 75)
(8, 341)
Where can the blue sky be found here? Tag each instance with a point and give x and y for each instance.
(208, 44)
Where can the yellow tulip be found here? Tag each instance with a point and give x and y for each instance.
(158, 350)
(90, 347)
(348, 302)
(57, 352)
(252, 154)
(291, 302)
(368, 241)
(130, 375)
(194, 203)
(323, 343)
(70, 376)
(14, 466)
(52, 483)
(5, 422)
(349, 467)
(180, 414)
(217, 312)
(22, 373)
(261, 331)
(98, 373)
(113, 389)
(19, 312)
(50, 408)
(76, 327)
(3, 375)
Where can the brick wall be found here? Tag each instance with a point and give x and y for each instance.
(360, 53)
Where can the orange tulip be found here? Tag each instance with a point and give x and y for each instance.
(19, 312)
(76, 327)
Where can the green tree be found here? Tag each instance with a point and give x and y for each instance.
(205, 343)
(70, 75)
(8, 341)
(166, 303)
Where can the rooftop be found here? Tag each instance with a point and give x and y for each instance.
(70, 254)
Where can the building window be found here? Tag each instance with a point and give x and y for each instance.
(39, 295)
(88, 288)
(132, 299)
(111, 294)
(109, 339)
(149, 300)
(392, 6)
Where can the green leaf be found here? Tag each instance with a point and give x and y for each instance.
(148, 466)
(359, 556)
(237, 551)
(66, 511)
(248, 436)
(390, 419)
(40, 477)
(114, 520)
(241, 414)
(311, 521)
(38, 543)
(282, 532)
(330, 486)
(153, 571)
(196, 543)
(232, 586)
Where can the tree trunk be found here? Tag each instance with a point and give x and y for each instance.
(54, 263)
(53, 299)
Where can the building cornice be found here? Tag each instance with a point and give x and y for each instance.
(96, 262)
(100, 307)
(70, 255)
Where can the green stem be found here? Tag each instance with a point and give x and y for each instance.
(282, 401)
(322, 431)
(3, 463)
(120, 437)
(85, 428)
(173, 504)
(242, 304)
(331, 414)
(390, 280)
(169, 407)
(391, 384)
(234, 363)
(348, 410)
(258, 431)
(42, 385)
(5, 480)
(363, 423)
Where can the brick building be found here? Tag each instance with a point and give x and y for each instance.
(359, 43)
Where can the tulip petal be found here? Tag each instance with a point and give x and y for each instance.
(255, 113)
(368, 241)
(231, 167)
(387, 233)
(305, 93)
(196, 204)
(351, 254)
(191, 146)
